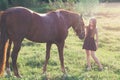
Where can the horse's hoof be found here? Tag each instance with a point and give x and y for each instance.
(64, 76)
(18, 76)
(44, 73)
(8, 72)
(63, 70)
(44, 76)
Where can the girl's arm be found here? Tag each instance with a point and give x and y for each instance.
(85, 31)
(97, 37)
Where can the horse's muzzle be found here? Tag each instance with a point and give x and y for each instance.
(82, 35)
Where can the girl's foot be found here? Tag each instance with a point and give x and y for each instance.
(100, 68)
(88, 68)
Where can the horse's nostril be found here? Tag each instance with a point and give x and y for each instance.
(81, 36)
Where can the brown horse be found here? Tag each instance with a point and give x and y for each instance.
(18, 23)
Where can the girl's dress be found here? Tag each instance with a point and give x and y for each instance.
(89, 42)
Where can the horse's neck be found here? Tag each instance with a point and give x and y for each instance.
(68, 18)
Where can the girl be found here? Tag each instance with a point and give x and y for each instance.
(90, 44)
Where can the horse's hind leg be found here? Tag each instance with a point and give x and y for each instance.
(7, 59)
(48, 47)
(60, 46)
(16, 48)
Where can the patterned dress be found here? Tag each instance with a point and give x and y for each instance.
(89, 42)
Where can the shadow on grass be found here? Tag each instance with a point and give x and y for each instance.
(62, 77)
(37, 61)
(34, 63)
(117, 71)
(28, 44)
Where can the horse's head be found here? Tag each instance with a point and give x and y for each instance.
(79, 28)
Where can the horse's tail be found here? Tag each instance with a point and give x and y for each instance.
(3, 43)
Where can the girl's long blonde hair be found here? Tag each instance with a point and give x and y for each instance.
(94, 26)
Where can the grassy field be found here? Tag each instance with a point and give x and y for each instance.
(32, 55)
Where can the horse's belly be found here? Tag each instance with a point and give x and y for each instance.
(38, 39)
(46, 38)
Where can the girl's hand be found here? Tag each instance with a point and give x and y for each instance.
(96, 44)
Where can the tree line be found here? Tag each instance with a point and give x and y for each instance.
(29, 3)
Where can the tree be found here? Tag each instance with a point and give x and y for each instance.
(3, 4)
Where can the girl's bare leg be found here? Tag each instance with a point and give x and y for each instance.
(96, 60)
(88, 53)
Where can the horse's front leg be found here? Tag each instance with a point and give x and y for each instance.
(48, 47)
(16, 48)
(60, 46)
(8, 71)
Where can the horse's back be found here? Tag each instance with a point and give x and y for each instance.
(49, 27)
(45, 26)
(22, 22)
(19, 13)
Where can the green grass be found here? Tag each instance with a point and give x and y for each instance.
(32, 55)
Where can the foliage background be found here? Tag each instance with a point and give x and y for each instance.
(30, 3)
